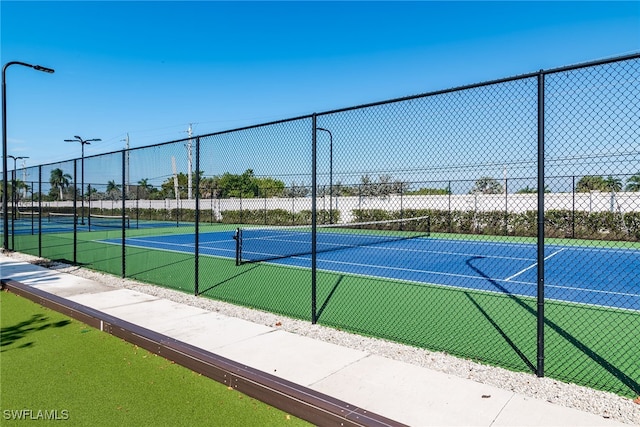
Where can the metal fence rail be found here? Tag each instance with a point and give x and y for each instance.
(531, 188)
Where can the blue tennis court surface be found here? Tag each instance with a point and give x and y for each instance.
(605, 277)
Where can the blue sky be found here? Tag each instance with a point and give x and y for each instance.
(150, 68)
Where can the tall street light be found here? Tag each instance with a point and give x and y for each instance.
(82, 142)
(15, 169)
(330, 173)
(4, 143)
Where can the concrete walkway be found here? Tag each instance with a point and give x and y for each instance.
(403, 392)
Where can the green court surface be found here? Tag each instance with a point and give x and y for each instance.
(58, 370)
(584, 344)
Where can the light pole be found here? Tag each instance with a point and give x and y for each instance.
(82, 142)
(330, 173)
(4, 143)
(15, 168)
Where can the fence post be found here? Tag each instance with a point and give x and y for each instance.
(266, 214)
(401, 206)
(573, 207)
(540, 296)
(197, 221)
(506, 206)
(75, 212)
(40, 211)
(211, 198)
(314, 193)
(32, 207)
(123, 215)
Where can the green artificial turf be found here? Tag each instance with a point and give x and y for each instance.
(587, 345)
(52, 367)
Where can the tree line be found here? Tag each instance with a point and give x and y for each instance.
(248, 185)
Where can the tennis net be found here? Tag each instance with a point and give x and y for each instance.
(28, 214)
(92, 220)
(62, 218)
(109, 221)
(255, 244)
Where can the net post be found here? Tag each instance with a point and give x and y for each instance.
(238, 238)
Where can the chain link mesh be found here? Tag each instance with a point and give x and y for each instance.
(414, 220)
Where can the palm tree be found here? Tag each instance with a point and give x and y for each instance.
(90, 192)
(633, 183)
(113, 190)
(20, 188)
(591, 183)
(144, 184)
(59, 180)
(144, 188)
(613, 184)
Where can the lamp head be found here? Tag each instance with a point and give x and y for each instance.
(44, 69)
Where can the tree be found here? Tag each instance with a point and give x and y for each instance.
(15, 189)
(209, 188)
(591, 183)
(247, 185)
(382, 187)
(227, 185)
(386, 186)
(633, 183)
(530, 190)
(59, 181)
(296, 190)
(486, 185)
(243, 185)
(167, 188)
(613, 184)
(425, 191)
(91, 192)
(113, 190)
(144, 184)
(144, 188)
(269, 187)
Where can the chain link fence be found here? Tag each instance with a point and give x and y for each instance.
(498, 222)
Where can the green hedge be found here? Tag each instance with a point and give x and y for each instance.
(558, 223)
(276, 217)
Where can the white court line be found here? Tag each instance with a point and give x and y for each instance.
(533, 265)
(439, 273)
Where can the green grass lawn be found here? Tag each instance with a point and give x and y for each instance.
(56, 367)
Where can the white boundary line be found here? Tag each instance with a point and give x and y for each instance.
(533, 265)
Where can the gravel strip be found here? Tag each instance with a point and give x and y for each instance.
(607, 405)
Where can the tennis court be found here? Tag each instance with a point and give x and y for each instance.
(500, 267)
(64, 223)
